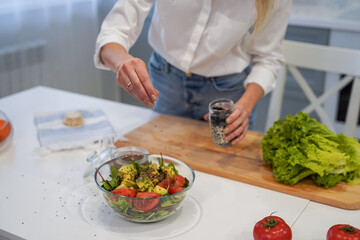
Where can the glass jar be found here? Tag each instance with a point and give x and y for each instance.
(124, 155)
(118, 156)
(219, 110)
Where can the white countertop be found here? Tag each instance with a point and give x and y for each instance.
(341, 15)
(45, 197)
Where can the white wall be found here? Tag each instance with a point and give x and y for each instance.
(49, 43)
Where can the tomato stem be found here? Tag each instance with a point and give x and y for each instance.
(270, 223)
(348, 229)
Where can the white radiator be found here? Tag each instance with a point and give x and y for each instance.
(21, 67)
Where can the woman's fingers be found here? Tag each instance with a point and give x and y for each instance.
(239, 133)
(144, 78)
(206, 117)
(239, 138)
(234, 120)
(134, 78)
(238, 124)
(131, 88)
(138, 86)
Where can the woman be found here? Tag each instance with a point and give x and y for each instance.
(203, 50)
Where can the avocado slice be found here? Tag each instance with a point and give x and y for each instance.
(160, 190)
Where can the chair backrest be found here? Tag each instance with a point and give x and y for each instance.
(322, 58)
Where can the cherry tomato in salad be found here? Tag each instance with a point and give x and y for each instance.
(272, 228)
(126, 192)
(179, 181)
(343, 232)
(146, 205)
(175, 189)
(165, 183)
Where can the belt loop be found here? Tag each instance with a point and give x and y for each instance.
(166, 67)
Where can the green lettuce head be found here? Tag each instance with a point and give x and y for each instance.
(299, 146)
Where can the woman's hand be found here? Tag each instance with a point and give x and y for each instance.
(132, 76)
(238, 124)
(131, 73)
(238, 121)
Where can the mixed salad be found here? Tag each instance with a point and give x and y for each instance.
(142, 185)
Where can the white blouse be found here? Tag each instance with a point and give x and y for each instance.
(205, 37)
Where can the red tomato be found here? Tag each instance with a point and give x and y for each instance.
(272, 228)
(146, 204)
(179, 181)
(5, 129)
(175, 189)
(126, 192)
(343, 232)
(165, 183)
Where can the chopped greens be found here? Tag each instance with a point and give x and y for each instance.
(114, 182)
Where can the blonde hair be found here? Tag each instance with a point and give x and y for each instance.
(263, 7)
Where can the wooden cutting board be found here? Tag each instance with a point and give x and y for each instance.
(190, 141)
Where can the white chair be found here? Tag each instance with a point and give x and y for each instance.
(322, 58)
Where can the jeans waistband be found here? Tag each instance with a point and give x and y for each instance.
(167, 67)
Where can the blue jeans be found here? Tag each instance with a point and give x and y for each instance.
(189, 96)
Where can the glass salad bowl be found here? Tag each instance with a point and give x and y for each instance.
(149, 189)
(6, 131)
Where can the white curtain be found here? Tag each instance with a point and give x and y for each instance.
(48, 42)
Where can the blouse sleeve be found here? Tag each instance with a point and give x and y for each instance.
(122, 25)
(265, 47)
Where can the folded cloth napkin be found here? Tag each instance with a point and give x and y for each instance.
(54, 135)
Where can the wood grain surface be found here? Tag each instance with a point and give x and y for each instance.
(190, 141)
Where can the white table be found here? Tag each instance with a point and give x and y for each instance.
(45, 197)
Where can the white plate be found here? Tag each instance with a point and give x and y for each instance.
(86, 203)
